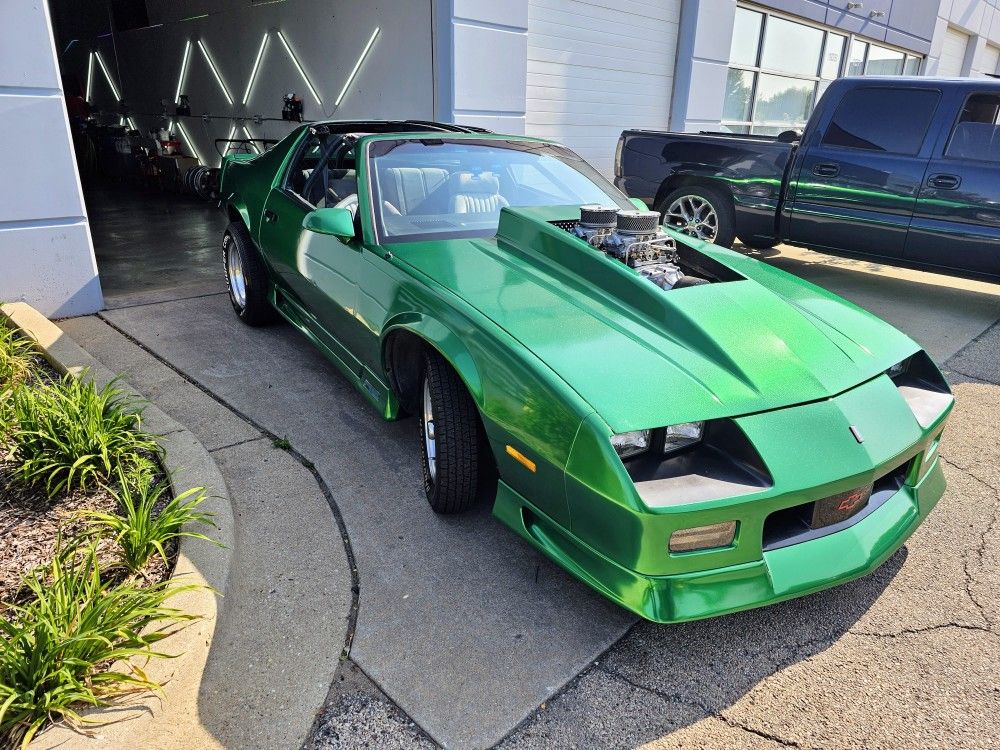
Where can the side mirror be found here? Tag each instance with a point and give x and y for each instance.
(336, 221)
(639, 203)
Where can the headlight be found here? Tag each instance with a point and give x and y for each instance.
(629, 444)
(672, 439)
(682, 435)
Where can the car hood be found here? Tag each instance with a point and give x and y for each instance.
(643, 357)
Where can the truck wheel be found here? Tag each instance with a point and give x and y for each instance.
(760, 243)
(451, 440)
(701, 212)
(246, 278)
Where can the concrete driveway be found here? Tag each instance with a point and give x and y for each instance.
(469, 631)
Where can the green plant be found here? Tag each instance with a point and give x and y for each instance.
(16, 353)
(74, 641)
(71, 434)
(144, 523)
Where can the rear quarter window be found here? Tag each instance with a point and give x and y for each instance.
(893, 121)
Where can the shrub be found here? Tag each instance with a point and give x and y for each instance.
(71, 434)
(141, 528)
(72, 644)
(16, 353)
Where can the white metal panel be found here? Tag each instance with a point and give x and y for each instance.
(598, 67)
(953, 53)
(989, 63)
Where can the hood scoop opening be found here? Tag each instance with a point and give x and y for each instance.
(636, 239)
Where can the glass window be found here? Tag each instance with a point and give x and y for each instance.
(739, 94)
(783, 101)
(884, 62)
(463, 184)
(977, 132)
(856, 65)
(881, 119)
(833, 53)
(746, 37)
(779, 69)
(791, 47)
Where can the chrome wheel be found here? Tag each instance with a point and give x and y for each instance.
(693, 215)
(237, 279)
(430, 442)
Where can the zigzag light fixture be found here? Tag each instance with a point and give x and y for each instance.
(357, 67)
(90, 75)
(189, 142)
(107, 75)
(250, 136)
(184, 68)
(298, 66)
(256, 68)
(215, 72)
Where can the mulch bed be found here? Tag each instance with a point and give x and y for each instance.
(31, 523)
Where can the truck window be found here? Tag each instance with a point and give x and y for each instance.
(977, 133)
(882, 119)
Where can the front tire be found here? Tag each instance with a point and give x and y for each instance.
(452, 443)
(246, 277)
(701, 212)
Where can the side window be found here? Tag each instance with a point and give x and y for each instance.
(304, 164)
(894, 121)
(977, 132)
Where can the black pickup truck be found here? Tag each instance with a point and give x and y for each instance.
(906, 169)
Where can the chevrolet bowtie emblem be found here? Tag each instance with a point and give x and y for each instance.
(857, 434)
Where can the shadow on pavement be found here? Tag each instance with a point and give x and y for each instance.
(666, 677)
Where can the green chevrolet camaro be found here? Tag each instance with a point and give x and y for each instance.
(687, 430)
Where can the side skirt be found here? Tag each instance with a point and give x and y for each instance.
(377, 393)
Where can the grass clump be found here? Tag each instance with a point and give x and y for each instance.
(74, 641)
(69, 434)
(145, 521)
(16, 353)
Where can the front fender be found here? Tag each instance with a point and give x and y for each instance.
(524, 406)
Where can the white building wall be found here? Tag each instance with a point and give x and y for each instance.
(480, 52)
(598, 67)
(977, 19)
(46, 254)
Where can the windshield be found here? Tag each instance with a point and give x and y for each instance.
(439, 189)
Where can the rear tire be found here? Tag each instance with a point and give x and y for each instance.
(456, 466)
(246, 277)
(701, 212)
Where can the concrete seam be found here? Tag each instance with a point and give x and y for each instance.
(238, 443)
(338, 516)
(982, 334)
(595, 664)
(164, 301)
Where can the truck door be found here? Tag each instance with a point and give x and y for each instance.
(956, 221)
(857, 181)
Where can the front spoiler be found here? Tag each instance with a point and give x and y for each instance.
(785, 573)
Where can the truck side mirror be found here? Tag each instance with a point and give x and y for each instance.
(338, 222)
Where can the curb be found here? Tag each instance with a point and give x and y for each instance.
(169, 719)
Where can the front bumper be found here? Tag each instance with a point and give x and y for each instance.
(784, 573)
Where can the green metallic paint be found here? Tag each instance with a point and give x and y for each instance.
(560, 347)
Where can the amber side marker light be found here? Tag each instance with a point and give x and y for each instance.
(703, 537)
(521, 458)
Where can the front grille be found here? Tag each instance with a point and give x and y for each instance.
(794, 525)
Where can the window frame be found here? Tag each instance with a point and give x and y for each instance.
(954, 126)
(747, 126)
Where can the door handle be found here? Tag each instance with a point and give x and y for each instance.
(944, 181)
(826, 170)
(269, 216)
